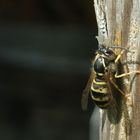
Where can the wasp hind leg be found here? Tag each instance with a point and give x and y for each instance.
(116, 86)
(121, 76)
(126, 74)
(126, 96)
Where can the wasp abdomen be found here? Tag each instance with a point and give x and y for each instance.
(100, 93)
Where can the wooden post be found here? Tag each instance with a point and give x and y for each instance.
(119, 24)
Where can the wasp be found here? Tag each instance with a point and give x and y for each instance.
(103, 78)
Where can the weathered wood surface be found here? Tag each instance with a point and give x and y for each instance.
(119, 24)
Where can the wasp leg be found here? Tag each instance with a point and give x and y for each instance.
(121, 53)
(126, 74)
(119, 56)
(124, 95)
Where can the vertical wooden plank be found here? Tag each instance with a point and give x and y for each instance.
(119, 23)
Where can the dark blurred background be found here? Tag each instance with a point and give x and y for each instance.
(45, 52)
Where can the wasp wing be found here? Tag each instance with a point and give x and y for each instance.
(113, 109)
(86, 91)
(108, 75)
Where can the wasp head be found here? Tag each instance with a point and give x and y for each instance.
(106, 53)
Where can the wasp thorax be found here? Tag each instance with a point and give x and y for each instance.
(104, 58)
(99, 65)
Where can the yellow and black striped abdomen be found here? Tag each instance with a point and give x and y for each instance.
(100, 93)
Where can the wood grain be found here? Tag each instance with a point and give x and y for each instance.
(119, 24)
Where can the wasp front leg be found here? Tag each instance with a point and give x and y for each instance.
(119, 56)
